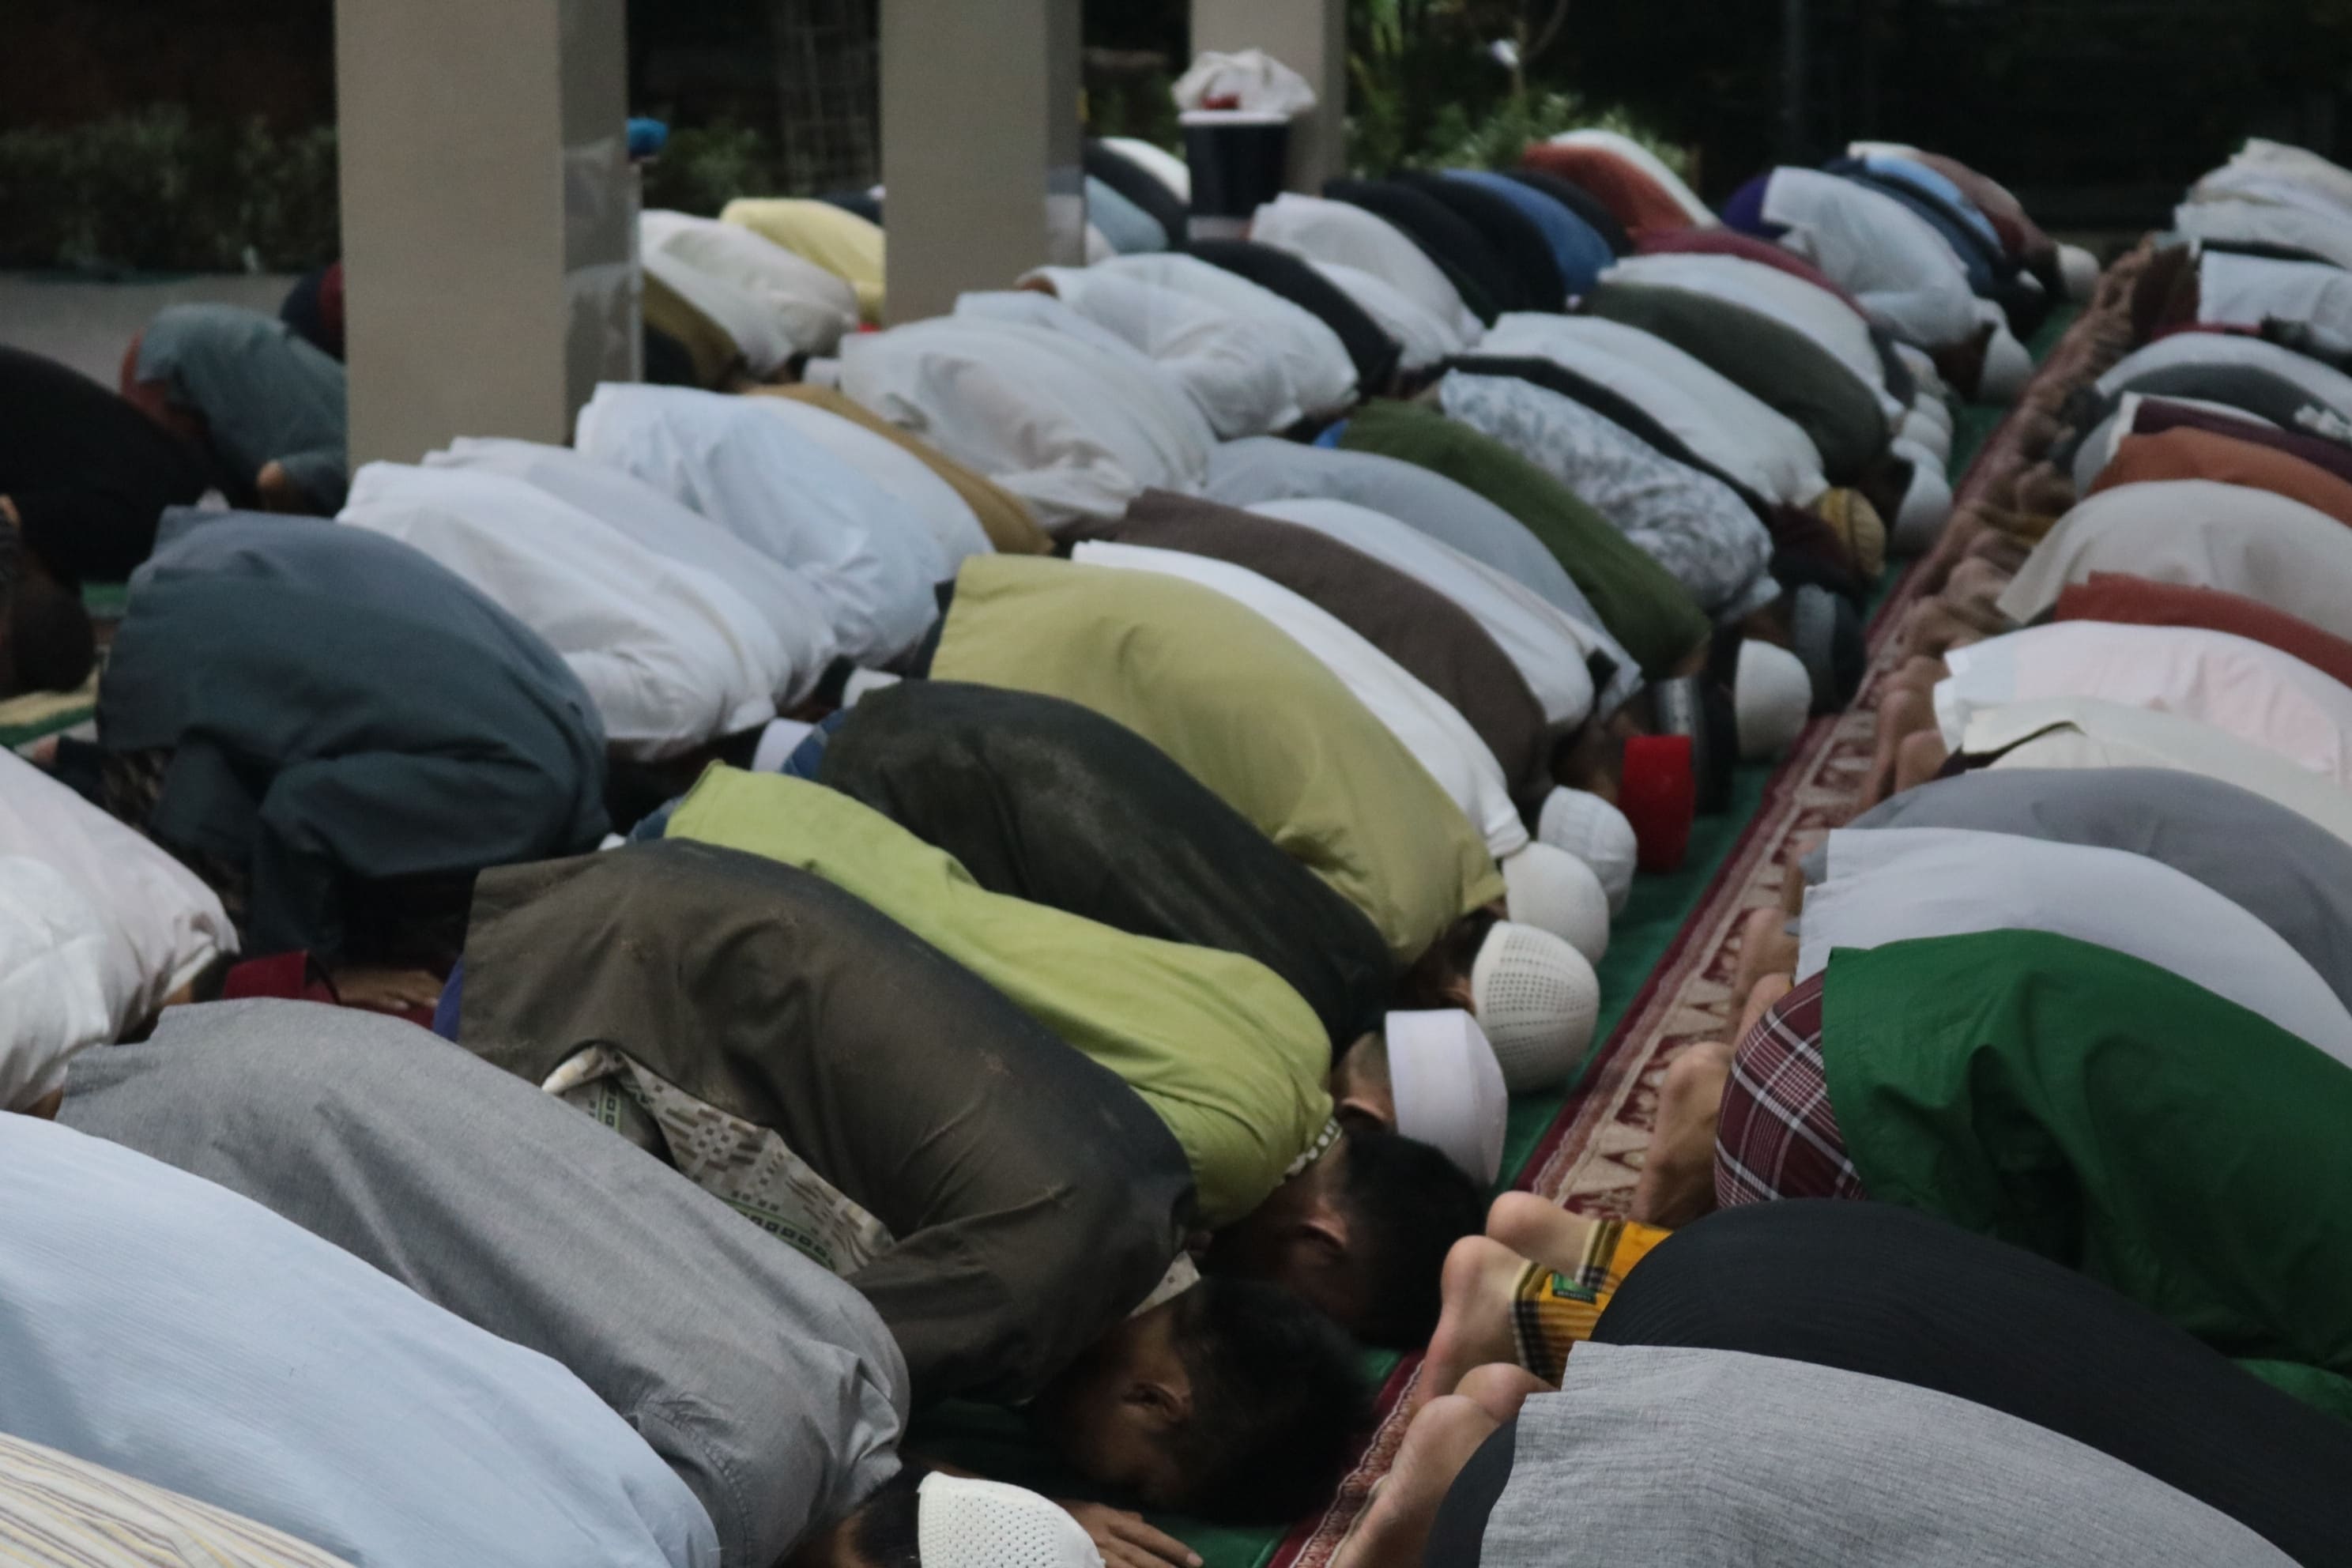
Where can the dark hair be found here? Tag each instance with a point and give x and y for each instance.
(1279, 1405)
(49, 636)
(885, 1535)
(1448, 959)
(1407, 1204)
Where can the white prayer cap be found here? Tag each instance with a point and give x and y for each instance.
(1448, 1089)
(965, 1524)
(2006, 367)
(1930, 407)
(2079, 271)
(1927, 503)
(1596, 833)
(1770, 696)
(1537, 999)
(1552, 891)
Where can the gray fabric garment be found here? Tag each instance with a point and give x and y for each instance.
(265, 394)
(1264, 468)
(1693, 525)
(2286, 871)
(770, 1386)
(1653, 1455)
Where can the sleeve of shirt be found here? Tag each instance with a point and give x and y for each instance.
(381, 814)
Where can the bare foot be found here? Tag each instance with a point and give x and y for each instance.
(1473, 1325)
(1767, 990)
(1677, 1182)
(1935, 626)
(1500, 1389)
(1923, 756)
(386, 990)
(1901, 713)
(1393, 1529)
(1765, 948)
(1538, 1230)
(1977, 577)
(1792, 876)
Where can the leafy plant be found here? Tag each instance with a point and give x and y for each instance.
(154, 190)
(704, 167)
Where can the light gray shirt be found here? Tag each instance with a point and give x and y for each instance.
(770, 1386)
(1265, 468)
(185, 1336)
(1653, 1455)
(2288, 872)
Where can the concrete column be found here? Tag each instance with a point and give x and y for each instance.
(489, 216)
(980, 172)
(1310, 37)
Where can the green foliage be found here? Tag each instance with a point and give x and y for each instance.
(1495, 141)
(702, 168)
(155, 191)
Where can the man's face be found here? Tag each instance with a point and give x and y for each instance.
(1115, 1414)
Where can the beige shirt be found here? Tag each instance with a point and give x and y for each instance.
(2205, 534)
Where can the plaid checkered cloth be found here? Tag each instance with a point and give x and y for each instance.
(1551, 1313)
(1778, 1136)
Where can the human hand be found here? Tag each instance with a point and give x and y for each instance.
(1125, 1541)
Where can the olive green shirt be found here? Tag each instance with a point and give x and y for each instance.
(1242, 708)
(1227, 1054)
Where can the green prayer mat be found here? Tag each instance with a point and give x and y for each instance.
(997, 1442)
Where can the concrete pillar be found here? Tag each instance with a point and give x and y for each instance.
(1310, 37)
(981, 175)
(489, 216)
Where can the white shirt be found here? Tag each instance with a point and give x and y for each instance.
(98, 926)
(1231, 368)
(1834, 325)
(793, 609)
(1323, 230)
(1548, 648)
(1421, 338)
(2249, 690)
(1156, 161)
(1906, 274)
(2205, 534)
(670, 655)
(1650, 164)
(2331, 387)
(1424, 723)
(2247, 290)
(1322, 376)
(180, 1334)
(1721, 422)
(873, 561)
(2324, 235)
(1069, 425)
(773, 303)
(2276, 171)
(811, 308)
(898, 472)
(1895, 884)
(2082, 732)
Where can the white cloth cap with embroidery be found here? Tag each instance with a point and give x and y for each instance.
(1596, 833)
(1449, 1088)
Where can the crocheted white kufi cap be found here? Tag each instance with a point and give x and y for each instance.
(1537, 999)
(965, 1524)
